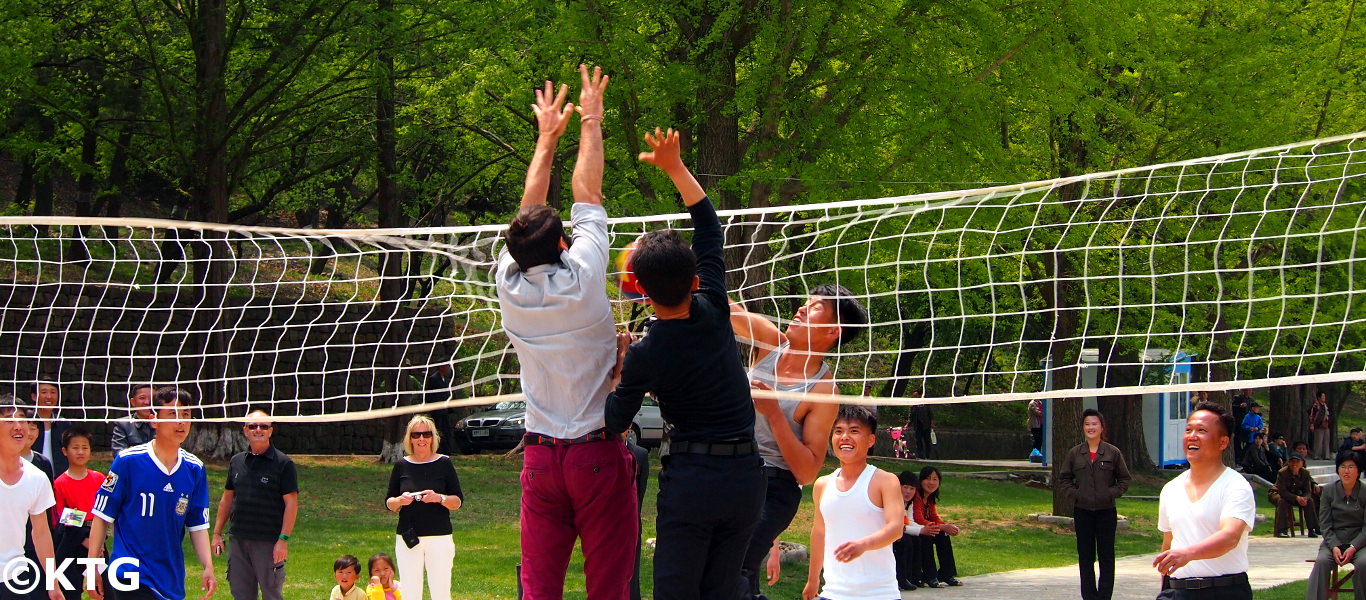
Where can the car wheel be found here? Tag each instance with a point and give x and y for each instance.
(633, 435)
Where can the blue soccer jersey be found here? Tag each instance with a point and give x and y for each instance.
(151, 506)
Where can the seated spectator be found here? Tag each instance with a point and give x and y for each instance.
(1280, 452)
(908, 570)
(1254, 459)
(1354, 442)
(1344, 529)
(924, 511)
(1294, 487)
(383, 586)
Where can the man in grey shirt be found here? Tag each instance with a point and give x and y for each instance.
(134, 429)
(577, 481)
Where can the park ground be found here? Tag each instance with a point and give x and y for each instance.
(342, 512)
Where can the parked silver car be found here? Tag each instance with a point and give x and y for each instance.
(502, 426)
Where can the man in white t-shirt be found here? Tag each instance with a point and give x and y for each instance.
(1205, 515)
(25, 496)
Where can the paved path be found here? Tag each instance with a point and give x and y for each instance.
(1274, 561)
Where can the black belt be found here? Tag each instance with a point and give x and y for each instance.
(779, 473)
(745, 448)
(1200, 583)
(597, 435)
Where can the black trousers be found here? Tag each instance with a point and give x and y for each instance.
(707, 509)
(907, 563)
(1233, 592)
(1096, 539)
(781, 499)
(926, 547)
(922, 442)
(1036, 438)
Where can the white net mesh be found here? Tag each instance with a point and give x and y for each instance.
(1243, 264)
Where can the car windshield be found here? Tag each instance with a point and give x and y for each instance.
(510, 405)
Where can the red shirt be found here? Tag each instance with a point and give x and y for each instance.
(923, 512)
(75, 493)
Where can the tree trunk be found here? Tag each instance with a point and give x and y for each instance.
(1290, 412)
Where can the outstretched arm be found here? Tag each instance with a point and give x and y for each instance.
(588, 169)
(551, 119)
(665, 154)
(754, 329)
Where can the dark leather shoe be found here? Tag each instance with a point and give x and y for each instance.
(905, 585)
(954, 582)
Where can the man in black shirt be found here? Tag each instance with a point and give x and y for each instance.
(262, 496)
(712, 485)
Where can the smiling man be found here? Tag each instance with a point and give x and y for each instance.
(261, 496)
(1205, 515)
(28, 495)
(156, 491)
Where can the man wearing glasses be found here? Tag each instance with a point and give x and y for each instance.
(262, 497)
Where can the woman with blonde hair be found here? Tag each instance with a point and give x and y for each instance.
(423, 490)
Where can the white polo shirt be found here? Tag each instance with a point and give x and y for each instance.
(560, 322)
(1230, 496)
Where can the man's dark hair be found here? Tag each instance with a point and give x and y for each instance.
(170, 395)
(1299, 443)
(74, 432)
(665, 267)
(852, 316)
(858, 413)
(345, 561)
(1225, 419)
(1345, 456)
(137, 387)
(45, 380)
(9, 406)
(533, 237)
(1354, 430)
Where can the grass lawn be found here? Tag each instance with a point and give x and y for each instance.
(341, 512)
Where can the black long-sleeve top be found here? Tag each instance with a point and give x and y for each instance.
(692, 365)
(438, 475)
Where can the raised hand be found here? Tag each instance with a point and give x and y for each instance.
(665, 151)
(552, 114)
(591, 92)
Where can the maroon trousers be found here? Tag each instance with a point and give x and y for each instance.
(585, 491)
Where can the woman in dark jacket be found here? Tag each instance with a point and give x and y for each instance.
(1342, 516)
(1094, 475)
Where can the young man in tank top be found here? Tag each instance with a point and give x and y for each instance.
(858, 516)
(791, 434)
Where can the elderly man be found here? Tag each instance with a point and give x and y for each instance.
(135, 428)
(1295, 487)
(262, 497)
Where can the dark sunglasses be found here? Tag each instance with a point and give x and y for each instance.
(420, 434)
(258, 426)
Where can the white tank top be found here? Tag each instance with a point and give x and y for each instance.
(849, 516)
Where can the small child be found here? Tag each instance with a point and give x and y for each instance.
(858, 515)
(74, 492)
(346, 570)
(382, 586)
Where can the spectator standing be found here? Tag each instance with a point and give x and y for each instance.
(1094, 475)
(1240, 403)
(922, 419)
(1321, 427)
(1205, 514)
(23, 505)
(1252, 423)
(74, 492)
(261, 496)
(642, 481)
(136, 428)
(423, 490)
(1036, 424)
(47, 398)
(38, 460)
(1295, 487)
